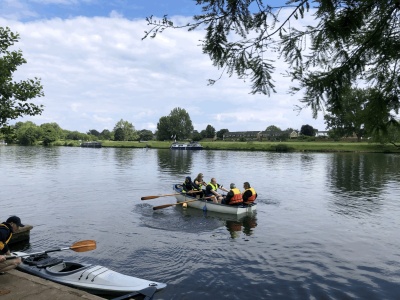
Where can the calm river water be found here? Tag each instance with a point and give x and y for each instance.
(326, 227)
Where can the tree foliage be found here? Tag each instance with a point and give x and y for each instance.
(28, 133)
(209, 132)
(145, 135)
(220, 133)
(307, 130)
(351, 42)
(119, 135)
(273, 128)
(177, 125)
(15, 96)
(129, 132)
(93, 132)
(106, 135)
(351, 118)
(51, 133)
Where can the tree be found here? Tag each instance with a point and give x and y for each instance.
(210, 132)
(177, 125)
(203, 134)
(275, 133)
(392, 136)
(93, 132)
(28, 133)
(273, 128)
(105, 135)
(129, 132)
(196, 136)
(352, 41)
(76, 136)
(164, 131)
(220, 133)
(351, 118)
(119, 135)
(14, 96)
(307, 130)
(50, 133)
(145, 135)
(181, 124)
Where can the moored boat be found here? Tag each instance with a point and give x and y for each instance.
(210, 206)
(94, 279)
(190, 146)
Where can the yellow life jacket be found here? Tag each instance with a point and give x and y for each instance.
(214, 187)
(252, 198)
(3, 244)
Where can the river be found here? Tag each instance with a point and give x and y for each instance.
(326, 226)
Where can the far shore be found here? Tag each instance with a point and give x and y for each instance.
(286, 146)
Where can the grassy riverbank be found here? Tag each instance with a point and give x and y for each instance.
(289, 146)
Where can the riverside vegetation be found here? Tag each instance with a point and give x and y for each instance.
(287, 146)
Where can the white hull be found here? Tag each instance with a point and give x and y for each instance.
(215, 207)
(92, 278)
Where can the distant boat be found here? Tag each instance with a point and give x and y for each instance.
(3, 143)
(190, 146)
(91, 145)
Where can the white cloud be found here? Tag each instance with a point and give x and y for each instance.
(96, 71)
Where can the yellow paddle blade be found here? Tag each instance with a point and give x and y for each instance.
(83, 246)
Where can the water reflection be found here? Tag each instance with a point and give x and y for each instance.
(20, 246)
(245, 224)
(177, 162)
(358, 181)
(124, 157)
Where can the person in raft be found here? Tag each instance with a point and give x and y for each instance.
(249, 194)
(212, 190)
(234, 196)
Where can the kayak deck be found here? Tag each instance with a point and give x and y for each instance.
(95, 279)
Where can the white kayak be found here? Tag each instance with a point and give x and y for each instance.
(94, 279)
(210, 206)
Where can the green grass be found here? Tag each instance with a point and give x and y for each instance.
(288, 146)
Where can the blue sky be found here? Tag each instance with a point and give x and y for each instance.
(96, 69)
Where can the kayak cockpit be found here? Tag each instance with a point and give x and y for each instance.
(54, 265)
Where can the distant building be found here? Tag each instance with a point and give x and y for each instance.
(237, 135)
(321, 133)
(294, 134)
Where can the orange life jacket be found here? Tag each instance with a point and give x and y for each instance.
(237, 197)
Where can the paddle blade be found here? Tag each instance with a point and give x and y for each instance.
(83, 246)
(162, 206)
(150, 197)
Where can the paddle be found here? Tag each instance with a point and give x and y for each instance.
(81, 246)
(154, 197)
(168, 205)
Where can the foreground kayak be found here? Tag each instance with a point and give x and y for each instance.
(210, 206)
(94, 279)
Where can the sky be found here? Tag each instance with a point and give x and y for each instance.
(96, 69)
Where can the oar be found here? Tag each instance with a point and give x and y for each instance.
(154, 197)
(168, 205)
(81, 246)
